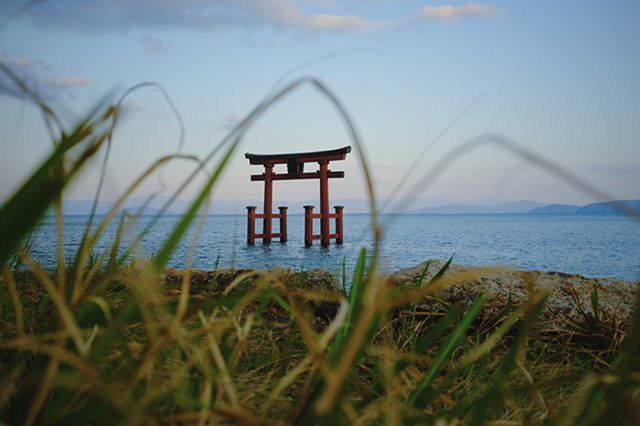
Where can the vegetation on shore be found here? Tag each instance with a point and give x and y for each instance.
(258, 347)
(105, 339)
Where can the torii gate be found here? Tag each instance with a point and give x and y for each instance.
(295, 170)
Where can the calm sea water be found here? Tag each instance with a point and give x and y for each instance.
(595, 246)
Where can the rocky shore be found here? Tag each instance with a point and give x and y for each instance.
(572, 301)
(569, 295)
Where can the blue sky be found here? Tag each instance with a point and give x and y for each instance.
(560, 78)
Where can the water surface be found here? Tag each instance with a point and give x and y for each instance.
(594, 246)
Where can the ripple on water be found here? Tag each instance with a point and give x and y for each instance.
(595, 246)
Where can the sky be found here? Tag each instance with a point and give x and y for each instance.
(559, 78)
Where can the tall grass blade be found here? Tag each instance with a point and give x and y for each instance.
(182, 226)
(494, 394)
(438, 330)
(446, 351)
(355, 303)
(423, 274)
(442, 271)
(23, 210)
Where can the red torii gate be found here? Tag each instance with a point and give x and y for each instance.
(295, 170)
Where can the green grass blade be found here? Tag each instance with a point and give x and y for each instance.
(441, 271)
(113, 254)
(446, 350)
(434, 334)
(344, 275)
(496, 391)
(25, 208)
(355, 301)
(163, 256)
(423, 274)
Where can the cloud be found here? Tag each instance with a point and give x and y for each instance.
(73, 82)
(155, 47)
(322, 3)
(231, 120)
(122, 15)
(98, 16)
(38, 76)
(285, 14)
(448, 13)
(620, 171)
(339, 23)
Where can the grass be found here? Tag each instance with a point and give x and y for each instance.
(107, 339)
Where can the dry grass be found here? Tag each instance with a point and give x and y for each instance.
(105, 339)
(253, 346)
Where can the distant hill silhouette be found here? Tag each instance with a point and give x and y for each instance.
(609, 207)
(555, 209)
(83, 207)
(534, 208)
(605, 208)
(515, 207)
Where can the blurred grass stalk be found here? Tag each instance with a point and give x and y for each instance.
(105, 339)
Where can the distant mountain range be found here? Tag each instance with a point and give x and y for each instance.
(217, 206)
(503, 208)
(73, 207)
(555, 209)
(611, 207)
(532, 207)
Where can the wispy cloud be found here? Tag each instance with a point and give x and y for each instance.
(449, 13)
(322, 3)
(73, 82)
(620, 171)
(38, 76)
(124, 15)
(231, 120)
(155, 47)
(339, 23)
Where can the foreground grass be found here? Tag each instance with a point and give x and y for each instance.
(253, 347)
(107, 340)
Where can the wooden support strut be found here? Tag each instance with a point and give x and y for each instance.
(268, 202)
(285, 176)
(308, 226)
(324, 203)
(283, 223)
(251, 225)
(339, 224)
(309, 236)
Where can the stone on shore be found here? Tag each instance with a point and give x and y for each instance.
(571, 298)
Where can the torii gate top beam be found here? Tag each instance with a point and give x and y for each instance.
(295, 163)
(299, 157)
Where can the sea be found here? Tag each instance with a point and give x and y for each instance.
(592, 246)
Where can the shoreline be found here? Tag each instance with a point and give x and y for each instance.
(569, 297)
(266, 324)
